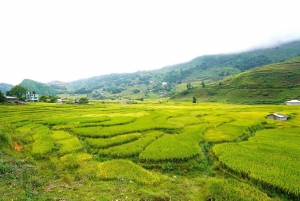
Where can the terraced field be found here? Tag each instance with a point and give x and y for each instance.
(149, 152)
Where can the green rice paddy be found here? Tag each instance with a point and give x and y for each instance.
(149, 151)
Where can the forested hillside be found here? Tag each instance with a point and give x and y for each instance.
(38, 87)
(205, 68)
(165, 81)
(274, 83)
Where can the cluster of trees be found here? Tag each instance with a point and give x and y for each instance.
(2, 98)
(18, 91)
(83, 91)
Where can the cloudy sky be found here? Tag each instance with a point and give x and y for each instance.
(71, 39)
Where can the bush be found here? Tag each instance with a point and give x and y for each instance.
(83, 100)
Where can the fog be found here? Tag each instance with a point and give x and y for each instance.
(70, 40)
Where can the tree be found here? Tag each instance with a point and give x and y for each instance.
(18, 91)
(2, 98)
(203, 84)
(83, 100)
(43, 98)
(136, 91)
(53, 99)
(194, 99)
(189, 86)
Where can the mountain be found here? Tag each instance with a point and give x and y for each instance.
(61, 87)
(171, 79)
(205, 68)
(274, 83)
(5, 87)
(38, 87)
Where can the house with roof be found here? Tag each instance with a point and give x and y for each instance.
(293, 102)
(31, 96)
(11, 98)
(279, 117)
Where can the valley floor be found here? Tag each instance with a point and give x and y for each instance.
(149, 151)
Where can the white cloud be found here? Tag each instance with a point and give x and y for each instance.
(68, 40)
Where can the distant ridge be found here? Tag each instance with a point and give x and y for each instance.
(208, 68)
(5, 87)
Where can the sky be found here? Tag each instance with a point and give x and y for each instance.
(67, 40)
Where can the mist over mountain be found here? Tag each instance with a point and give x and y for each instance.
(165, 81)
(208, 68)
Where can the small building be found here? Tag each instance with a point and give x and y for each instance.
(31, 96)
(59, 100)
(20, 103)
(11, 98)
(279, 117)
(75, 101)
(293, 102)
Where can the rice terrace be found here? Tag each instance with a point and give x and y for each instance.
(149, 151)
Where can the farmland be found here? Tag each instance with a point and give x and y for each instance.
(148, 151)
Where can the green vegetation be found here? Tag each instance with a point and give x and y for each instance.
(18, 91)
(270, 84)
(5, 87)
(204, 68)
(272, 157)
(167, 81)
(148, 151)
(2, 98)
(38, 87)
(124, 169)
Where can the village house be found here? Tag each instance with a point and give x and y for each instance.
(164, 84)
(293, 102)
(59, 100)
(11, 98)
(31, 96)
(279, 117)
(75, 101)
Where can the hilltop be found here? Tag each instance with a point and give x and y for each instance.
(274, 83)
(38, 87)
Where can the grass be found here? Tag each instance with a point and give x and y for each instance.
(272, 156)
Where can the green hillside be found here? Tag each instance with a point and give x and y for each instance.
(38, 87)
(204, 68)
(5, 87)
(274, 83)
(169, 80)
(61, 87)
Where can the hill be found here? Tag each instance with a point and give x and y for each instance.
(205, 68)
(61, 87)
(38, 87)
(5, 87)
(274, 83)
(169, 80)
